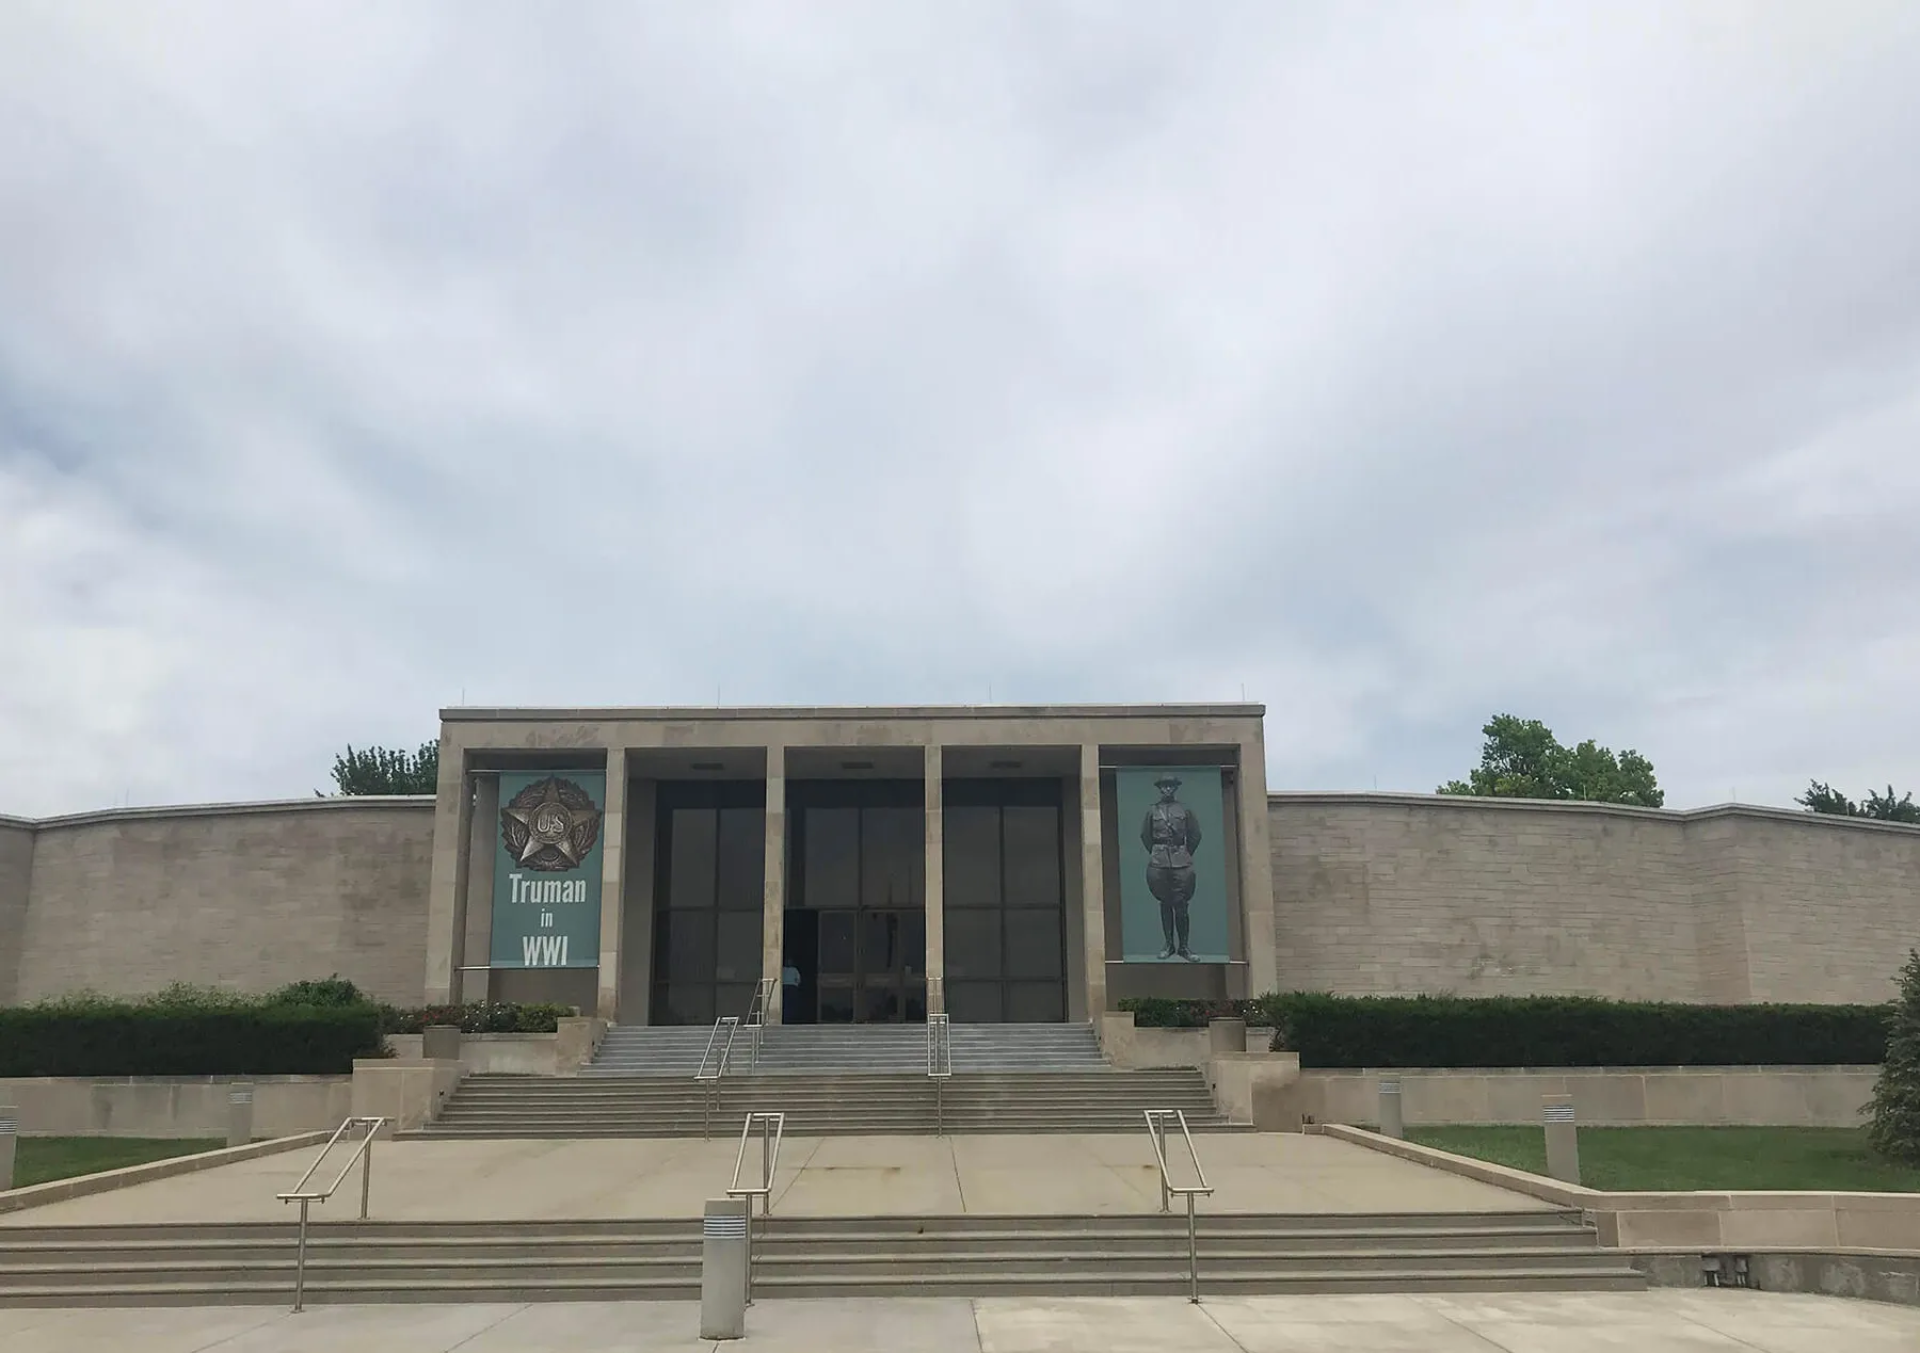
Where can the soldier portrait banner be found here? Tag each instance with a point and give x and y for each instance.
(546, 870)
(1173, 865)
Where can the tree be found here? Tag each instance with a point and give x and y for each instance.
(1521, 759)
(1824, 798)
(378, 770)
(1893, 1125)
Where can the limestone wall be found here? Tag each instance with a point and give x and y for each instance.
(246, 897)
(1386, 894)
(16, 876)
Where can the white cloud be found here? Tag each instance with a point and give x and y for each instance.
(1401, 366)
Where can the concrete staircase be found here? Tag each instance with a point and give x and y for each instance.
(821, 1104)
(810, 1049)
(251, 1264)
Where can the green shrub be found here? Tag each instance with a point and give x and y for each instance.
(1893, 1124)
(478, 1017)
(331, 991)
(1542, 1031)
(174, 1036)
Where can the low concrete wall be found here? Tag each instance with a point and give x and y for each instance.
(1757, 1096)
(105, 1181)
(407, 1093)
(1696, 1222)
(1873, 1277)
(1251, 1088)
(491, 1054)
(166, 1106)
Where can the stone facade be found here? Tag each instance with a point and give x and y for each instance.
(1402, 894)
(245, 897)
(1365, 893)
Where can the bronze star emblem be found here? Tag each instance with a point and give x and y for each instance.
(550, 825)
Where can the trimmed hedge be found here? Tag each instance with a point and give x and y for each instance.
(121, 1038)
(1542, 1031)
(479, 1017)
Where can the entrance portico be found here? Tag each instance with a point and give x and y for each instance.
(874, 864)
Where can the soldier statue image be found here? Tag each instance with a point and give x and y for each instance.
(1171, 833)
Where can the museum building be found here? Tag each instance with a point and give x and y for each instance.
(1000, 864)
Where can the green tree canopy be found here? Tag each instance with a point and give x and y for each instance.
(380, 770)
(1824, 798)
(1521, 759)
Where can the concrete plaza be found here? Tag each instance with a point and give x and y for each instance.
(1644, 1322)
(1003, 1175)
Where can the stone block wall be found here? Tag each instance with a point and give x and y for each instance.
(16, 881)
(244, 897)
(1379, 894)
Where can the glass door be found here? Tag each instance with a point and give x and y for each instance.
(859, 869)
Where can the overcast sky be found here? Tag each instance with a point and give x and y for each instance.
(1394, 365)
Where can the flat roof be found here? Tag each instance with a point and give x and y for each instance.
(681, 713)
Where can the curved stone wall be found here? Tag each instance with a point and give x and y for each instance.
(1374, 893)
(1402, 894)
(244, 896)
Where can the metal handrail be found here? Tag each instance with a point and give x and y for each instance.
(757, 1018)
(712, 1069)
(773, 1127)
(939, 1067)
(306, 1197)
(1157, 1134)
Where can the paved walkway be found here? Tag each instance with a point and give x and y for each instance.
(832, 1176)
(1643, 1322)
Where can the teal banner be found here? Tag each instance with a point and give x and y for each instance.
(1173, 866)
(546, 870)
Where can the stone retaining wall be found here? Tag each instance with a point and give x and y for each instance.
(168, 1106)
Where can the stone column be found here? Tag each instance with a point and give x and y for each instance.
(773, 917)
(1256, 872)
(613, 880)
(447, 881)
(936, 959)
(1093, 884)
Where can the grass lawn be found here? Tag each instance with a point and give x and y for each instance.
(39, 1160)
(1661, 1158)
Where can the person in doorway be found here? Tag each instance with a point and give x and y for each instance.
(1171, 833)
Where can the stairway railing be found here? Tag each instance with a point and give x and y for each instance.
(773, 1127)
(1157, 1120)
(939, 1067)
(757, 1019)
(713, 1065)
(306, 1197)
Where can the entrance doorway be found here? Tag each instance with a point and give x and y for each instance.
(856, 931)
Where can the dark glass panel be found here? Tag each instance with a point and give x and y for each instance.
(743, 855)
(1034, 943)
(879, 941)
(893, 858)
(915, 996)
(973, 944)
(688, 1005)
(1033, 856)
(974, 1002)
(1035, 1003)
(684, 942)
(913, 942)
(880, 1004)
(733, 1000)
(971, 839)
(690, 858)
(832, 851)
(739, 947)
(836, 1004)
(836, 942)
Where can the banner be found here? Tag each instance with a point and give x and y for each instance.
(1173, 868)
(546, 870)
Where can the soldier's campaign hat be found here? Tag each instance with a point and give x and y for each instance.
(1164, 780)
